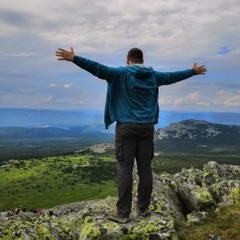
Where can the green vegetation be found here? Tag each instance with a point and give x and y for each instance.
(224, 223)
(22, 148)
(174, 162)
(50, 181)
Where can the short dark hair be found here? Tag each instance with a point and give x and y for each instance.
(135, 55)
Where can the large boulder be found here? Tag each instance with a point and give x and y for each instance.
(195, 198)
(227, 191)
(214, 173)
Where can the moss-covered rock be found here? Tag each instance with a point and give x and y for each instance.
(195, 198)
(190, 193)
(214, 173)
(226, 191)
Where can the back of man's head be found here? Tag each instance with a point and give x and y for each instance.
(135, 55)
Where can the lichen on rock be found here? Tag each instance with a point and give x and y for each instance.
(188, 194)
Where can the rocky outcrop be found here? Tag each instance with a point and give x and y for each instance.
(197, 129)
(188, 194)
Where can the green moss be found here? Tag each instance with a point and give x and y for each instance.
(43, 232)
(235, 195)
(110, 226)
(175, 237)
(203, 196)
(147, 226)
(28, 224)
(150, 228)
(136, 236)
(159, 208)
(216, 186)
(10, 236)
(90, 229)
(174, 185)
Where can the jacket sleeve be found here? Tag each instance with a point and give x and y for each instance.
(165, 78)
(99, 70)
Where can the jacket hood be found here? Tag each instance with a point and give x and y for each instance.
(140, 71)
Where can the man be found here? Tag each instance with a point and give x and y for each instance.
(132, 102)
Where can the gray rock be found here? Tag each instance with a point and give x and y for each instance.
(188, 194)
(226, 191)
(214, 173)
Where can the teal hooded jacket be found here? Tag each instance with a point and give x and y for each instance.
(132, 93)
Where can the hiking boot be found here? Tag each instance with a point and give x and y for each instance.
(116, 218)
(143, 212)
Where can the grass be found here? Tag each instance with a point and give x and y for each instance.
(224, 223)
(50, 181)
(174, 162)
(23, 148)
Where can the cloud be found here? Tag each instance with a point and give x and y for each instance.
(228, 98)
(194, 96)
(67, 85)
(173, 35)
(191, 98)
(61, 85)
(222, 99)
(20, 54)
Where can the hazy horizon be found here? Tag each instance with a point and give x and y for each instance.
(28, 117)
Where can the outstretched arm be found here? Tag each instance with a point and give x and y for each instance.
(165, 78)
(199, 69)
(97, 69)
(65, 55)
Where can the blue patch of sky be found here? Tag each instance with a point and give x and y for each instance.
(224, 50)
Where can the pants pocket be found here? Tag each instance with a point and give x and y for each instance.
(152, 151)
(118, 151)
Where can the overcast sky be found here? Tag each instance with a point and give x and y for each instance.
(173, 34)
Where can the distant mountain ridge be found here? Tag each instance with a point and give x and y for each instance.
(23, 117)
(185, 136)
(197, 129)
(189, 133)
(190, 129)
(195, 135)
(48, 132)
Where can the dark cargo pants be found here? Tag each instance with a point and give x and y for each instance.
(133, 141)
